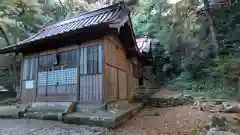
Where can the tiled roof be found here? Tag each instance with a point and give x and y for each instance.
(106, 15)
(113, 16)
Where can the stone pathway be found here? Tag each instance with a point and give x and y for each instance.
(39, 127)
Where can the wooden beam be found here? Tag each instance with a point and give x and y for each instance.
(78, 73)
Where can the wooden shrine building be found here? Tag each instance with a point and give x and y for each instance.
(89, 58)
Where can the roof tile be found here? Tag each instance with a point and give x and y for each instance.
(113, 17)
(87, 19)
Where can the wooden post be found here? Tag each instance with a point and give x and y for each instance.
(19, 94)
(36, 77)
(238, 88)
(78, 73)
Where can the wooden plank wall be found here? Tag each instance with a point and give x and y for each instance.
(88, 86)
(117, 74)
(29, 73)
(91, 84)
(110, 68)
(38, 93)
(122, 77)
(116, 69)
(91, 88)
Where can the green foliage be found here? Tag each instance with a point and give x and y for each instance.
(181, 32)
(225, 66)
(148, 19)
(210, 87)
(19, 19)
(186, 36)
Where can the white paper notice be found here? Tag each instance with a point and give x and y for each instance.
(29, 84)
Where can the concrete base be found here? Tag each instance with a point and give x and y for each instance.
(44, 116)
(49, 110)
(89, 107)
(110, 118)
(98, 115)
(10, 112)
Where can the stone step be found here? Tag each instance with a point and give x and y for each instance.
(88, 107)
(49, 110)
(10, 112)
(110, 118)
(44, 116)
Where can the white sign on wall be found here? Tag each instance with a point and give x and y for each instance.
(29, 84)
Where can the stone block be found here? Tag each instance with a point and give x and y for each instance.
(103, 118)
(52, 107)
(9, 112)
(49, 110)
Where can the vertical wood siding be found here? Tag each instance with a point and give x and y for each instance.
(122, 82)
(122, 60)
(91, 88)
(115, 70)
(111, 82)
(91, 79)
(30, 66)
(28, 96)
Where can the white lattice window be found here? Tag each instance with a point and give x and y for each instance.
(63, 73)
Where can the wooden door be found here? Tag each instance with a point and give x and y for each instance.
(58, 82)
(28, 94)
(29, 79)
(91, 79)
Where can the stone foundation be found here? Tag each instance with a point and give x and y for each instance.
(116, 114)
(110, 118)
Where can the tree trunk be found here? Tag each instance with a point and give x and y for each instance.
(12, 66)
(213, 33)
(13, 72)
(5, 36)
(238, 89)
(212, 27)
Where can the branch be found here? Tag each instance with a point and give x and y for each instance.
(232, 19)
(63, 5)
(21, 12)
(5, 35)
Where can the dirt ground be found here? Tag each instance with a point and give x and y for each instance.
(165, 93)
(181, 120)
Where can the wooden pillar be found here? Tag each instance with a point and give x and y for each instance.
(21, 81)
(78, 72)
(36, 77)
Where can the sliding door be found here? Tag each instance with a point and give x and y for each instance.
(29, 78)
(58, 82)
(91, 79)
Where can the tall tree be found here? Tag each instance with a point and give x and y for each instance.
(18, 20)
(211, 26)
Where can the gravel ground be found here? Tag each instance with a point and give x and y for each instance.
(80, 130)
(39, 127)
(165, 121)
